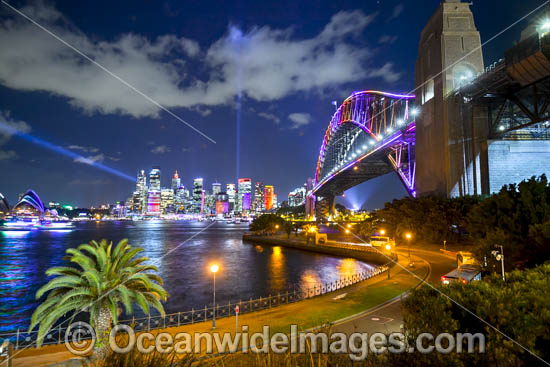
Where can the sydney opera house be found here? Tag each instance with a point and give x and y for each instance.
(29, 205)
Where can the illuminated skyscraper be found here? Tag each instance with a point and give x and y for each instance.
(259, 197)
(209, 203)
(167, 201)
(153, 195)
(180, 199)
(176, 181)
(222, 203)
(297, 197)
(154, 178)
(140, 200)
(198, 196)
(275, 203)
(244, 195)
(136, 202)
(231, 196)
(216, 188)
(268, 197)
(153, 202)
(141, 183)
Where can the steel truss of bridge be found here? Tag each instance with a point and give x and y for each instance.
(370, 134)
(515, 92)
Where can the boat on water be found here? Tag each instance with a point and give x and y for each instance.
(33, 222)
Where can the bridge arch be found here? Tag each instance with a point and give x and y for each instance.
(367, 124)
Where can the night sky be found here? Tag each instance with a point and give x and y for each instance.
(286, 59)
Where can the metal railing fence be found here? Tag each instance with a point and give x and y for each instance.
(23, 339)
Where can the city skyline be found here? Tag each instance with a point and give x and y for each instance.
(134, 134)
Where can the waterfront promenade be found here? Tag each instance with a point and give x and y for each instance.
(333, 248)
(369, 306)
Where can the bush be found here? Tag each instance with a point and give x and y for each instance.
(266, 222)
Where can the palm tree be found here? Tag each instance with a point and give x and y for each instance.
(105, 278)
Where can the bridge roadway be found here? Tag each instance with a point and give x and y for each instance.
(388, 317)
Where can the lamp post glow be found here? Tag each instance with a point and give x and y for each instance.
(382, 232)
(214, 269)
(408, 236)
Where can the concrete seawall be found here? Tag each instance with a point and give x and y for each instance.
(362, 253)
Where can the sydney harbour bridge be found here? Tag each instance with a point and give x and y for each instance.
(467, 130)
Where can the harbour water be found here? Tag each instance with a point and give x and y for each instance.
(181, 250)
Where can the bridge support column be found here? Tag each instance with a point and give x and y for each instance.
(331, 207)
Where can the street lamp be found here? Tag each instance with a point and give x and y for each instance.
(500, 257)
(382, 232)
(408, 236)
(214, 269)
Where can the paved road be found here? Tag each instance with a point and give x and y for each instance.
(388, 318)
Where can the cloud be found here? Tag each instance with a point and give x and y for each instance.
(91, 160)
(84, 149)
(161, 149)
(385, 72)
(397, 11)
(269, 116)
(272, 63)
(203, 111)
(8, 128)
(299, 119)
(385, 39)
(7, 155)
(38, 62)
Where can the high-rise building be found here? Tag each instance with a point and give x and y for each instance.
(179, 199)
(259, 197)
(153, 194)
(297, 197)
(137, 202)
(154, 178)
(216, 188)
(153, 202)
(141, 189)
(231, 195)
(222, 203)
(167, 201)
(198, 196)
(268, 197)
(275, 202)
(209, 206)
(176, 181)
(141, 183)
(244, 194)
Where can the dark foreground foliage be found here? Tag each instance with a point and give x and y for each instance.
(517, 217)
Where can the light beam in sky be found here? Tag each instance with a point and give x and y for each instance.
(11, 131)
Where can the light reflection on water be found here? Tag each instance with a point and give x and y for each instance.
(246, 270)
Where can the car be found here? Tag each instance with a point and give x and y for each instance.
(382, 241)
(464, 274)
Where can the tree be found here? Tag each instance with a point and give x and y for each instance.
(288, 228)
(367, 227)
(518, 308)
(266, 222)
(518, 218)
(105, 277)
